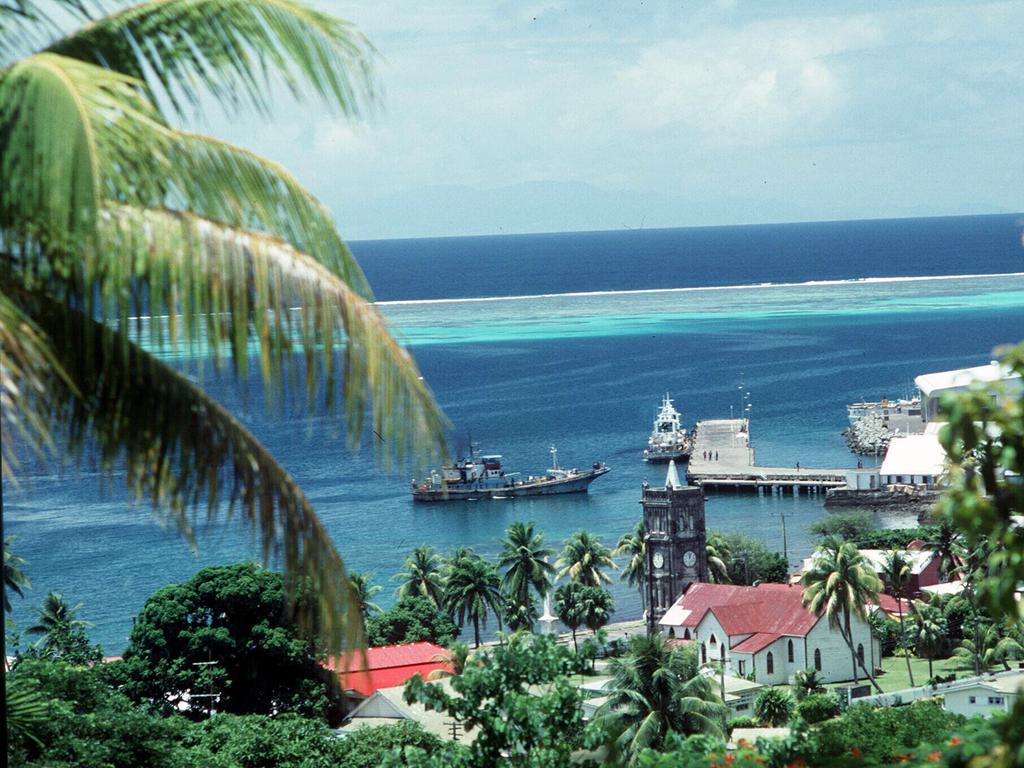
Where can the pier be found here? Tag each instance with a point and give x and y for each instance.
(731, 464)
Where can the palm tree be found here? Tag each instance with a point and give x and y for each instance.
(364, 592)
(929, 630)
(634, 572)
(896, 575)
(110, 212)
(582, 559)
(570, 608)
(838, 585)
(524, 558)
(807, 682)
(987, 648)
(946, 545)
(15, 579)
(520, 617)
(457, 658)
(597, 607)
(472, 591)
(774, 706)
(422, 576)
(719, 555)
(656, 690)
(55, 614)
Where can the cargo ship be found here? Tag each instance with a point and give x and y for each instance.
(483, 477)
(669, 440)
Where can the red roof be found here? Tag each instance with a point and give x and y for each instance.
(889, 604)
(755, 643)
(775, 609)
(389, 665)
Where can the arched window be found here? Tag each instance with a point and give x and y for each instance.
(703, 654)
(817, 659)
(860, 653)
(789, 652)
(771, 663)
(723, 651)
(686, 633)
(714, 640)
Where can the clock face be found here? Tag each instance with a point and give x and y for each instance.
(659, 560)
(689, 558)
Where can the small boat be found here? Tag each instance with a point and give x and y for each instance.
(669, 440)
(483, 477)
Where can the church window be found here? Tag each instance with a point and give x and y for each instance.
(743, 667)
(714, 640)
(723, 651)
(686, 633)
(789, 652)
(703, 654)
(817, 659)
(770, 663)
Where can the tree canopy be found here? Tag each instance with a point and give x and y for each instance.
(236, 617)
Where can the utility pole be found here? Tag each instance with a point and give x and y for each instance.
(454, 727)
(785, 548)
(210, 695)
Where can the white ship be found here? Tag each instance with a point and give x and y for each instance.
(669, 440)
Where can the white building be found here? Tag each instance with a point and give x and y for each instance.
(913, 460)
(983, 696)
(766, 632)
(934, 385)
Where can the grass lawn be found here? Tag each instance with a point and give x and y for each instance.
(895, 677)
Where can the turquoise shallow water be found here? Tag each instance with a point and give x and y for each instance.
(584, 372)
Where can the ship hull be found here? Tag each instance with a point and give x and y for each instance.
(664, 457)
(576, 484)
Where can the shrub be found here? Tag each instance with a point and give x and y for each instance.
(884, 734)
(744, 721)
(774, 706)
(850, 526)
(818, 707)
(411, 620)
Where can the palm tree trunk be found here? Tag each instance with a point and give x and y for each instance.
(930, 675)
(476, 630)
(848, 637)
(903, 640)
(574, 646)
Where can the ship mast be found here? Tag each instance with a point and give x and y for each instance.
(554, 458)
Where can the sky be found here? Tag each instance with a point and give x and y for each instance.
(508, 117)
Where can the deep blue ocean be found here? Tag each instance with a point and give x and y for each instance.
(804, 317)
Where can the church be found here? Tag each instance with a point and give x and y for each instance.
(761, 631)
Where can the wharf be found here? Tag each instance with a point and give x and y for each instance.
(731, 463)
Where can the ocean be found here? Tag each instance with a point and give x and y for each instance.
(570, 340)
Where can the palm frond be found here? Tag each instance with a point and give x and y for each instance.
(62, 119)
(228, 48)
(191, 450)
(201, 269)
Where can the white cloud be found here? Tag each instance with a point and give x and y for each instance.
(752, 85)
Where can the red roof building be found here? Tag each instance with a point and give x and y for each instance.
(389, 665)
(765, 631)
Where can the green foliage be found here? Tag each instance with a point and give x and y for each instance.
(699, 751)
(774, 706)
(750, 560)
(422, 576)
(807, 682)
(849, 526)
(364, 590)
(889, 538)
(258, 741)
(109, 211)
(584, 559)
(881, 735)
(89, 724)
(376, 746)
(236, 616)
(518, 700)
(411, 620)
(743, 721)
(634, 572)
(472, 590)
(525, 561)
(656, 690)
(818, 706)
(569, 606)
(839, 585)
(15, 579)
(61, 634)
(886, 630)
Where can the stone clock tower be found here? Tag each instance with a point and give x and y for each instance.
(675, 539)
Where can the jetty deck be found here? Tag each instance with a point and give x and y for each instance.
(724, 458)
